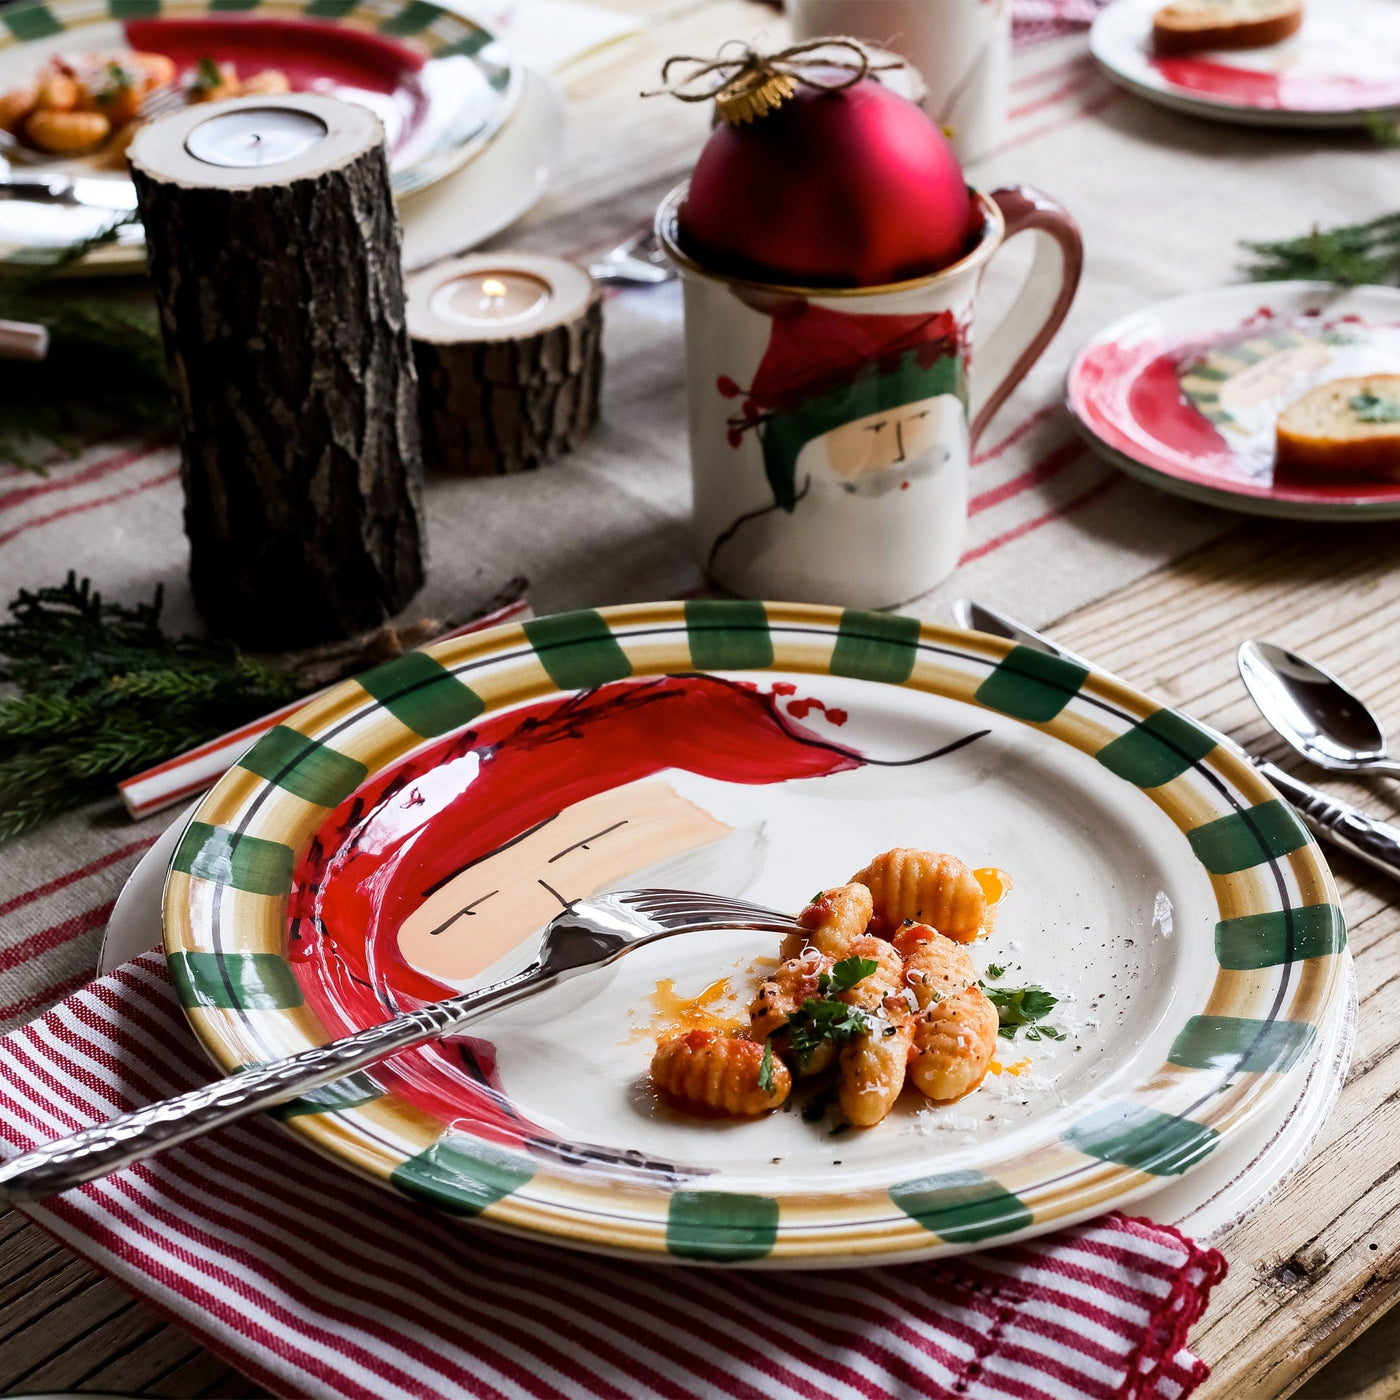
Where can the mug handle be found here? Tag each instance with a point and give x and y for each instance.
(1004, 360)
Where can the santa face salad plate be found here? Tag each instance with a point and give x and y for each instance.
(410, 833)
(441, 84)
(1342, 67)
(1186, 394)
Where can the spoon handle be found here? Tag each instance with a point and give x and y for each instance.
(1374, 841)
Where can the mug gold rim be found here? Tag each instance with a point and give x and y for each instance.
(667, 217)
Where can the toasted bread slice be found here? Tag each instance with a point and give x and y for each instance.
(1193, 26)
(1350, 427)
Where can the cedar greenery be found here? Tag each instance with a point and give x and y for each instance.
(1351, 254)
(100, 692)
(105, 370)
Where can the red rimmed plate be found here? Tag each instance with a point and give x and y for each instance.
(1185, 394)
(1339, 69)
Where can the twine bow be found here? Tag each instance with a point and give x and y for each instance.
(747, 84)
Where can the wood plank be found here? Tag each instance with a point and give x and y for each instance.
(1369, 1369)
(1322, 1260)
(63, 1326)
(76, 1358)
(203, 1374)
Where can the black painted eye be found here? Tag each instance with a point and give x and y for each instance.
(875, 427)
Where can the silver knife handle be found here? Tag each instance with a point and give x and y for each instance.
(71, 1161)
(1376, 842)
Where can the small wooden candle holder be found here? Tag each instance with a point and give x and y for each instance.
(509, 348)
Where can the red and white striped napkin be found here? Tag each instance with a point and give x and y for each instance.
(316, 1283)
(1037, 20)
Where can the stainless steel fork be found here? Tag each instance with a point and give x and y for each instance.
(588, 934)
(638, 262)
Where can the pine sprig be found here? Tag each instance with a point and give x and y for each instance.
(105, 370)
(1351, 255)
(100, 692)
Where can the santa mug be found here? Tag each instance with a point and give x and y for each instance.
(831, 430)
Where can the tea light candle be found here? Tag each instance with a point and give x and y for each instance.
(249, 143)
(256, 136)
(493, 298)
(509, 355)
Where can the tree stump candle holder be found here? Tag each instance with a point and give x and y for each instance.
(275, 257)
(509, 348)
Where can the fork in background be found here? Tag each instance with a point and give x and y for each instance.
(638, 262)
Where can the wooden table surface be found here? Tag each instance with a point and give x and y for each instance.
(1314, 1268)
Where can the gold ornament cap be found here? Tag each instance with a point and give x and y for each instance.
(754, 93)
(747, 85)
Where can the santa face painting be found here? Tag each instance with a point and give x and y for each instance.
(884, 451)
(862, 425)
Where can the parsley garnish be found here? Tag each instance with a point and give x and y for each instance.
(849, 971)
(1375, 408)
(822, 1018)
(1022, 1006)
(819, 1021)
(765, 1068)
(117, 80)
(207, 76)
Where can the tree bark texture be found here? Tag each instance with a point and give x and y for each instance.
(492, 407)
(282, 308)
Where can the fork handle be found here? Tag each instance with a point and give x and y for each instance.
(93, 1152)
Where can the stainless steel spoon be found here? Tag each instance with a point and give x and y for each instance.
(1314, 711)
(1328, 817)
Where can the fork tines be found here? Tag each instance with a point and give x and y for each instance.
(160, 102)
(671, 907)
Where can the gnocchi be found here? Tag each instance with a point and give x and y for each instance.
(877, 992)
(722, 1074)
(78, 104)
(928, 886)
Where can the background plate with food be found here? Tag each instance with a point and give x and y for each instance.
(1188, 395)
(1338, 68)
(76, 76)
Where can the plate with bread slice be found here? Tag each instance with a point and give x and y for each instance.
(1278, 400)
(1308, 63)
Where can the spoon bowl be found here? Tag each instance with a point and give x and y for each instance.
(1314, 711)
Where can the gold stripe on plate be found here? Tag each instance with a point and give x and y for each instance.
(479, 646)
(323, 712)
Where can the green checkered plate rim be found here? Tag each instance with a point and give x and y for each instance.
(434, 33)
(1277, 944)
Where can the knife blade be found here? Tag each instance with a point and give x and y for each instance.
(1329, 818)
(115, 196)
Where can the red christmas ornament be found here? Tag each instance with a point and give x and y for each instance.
(812, 185)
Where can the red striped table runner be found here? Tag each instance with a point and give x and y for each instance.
(316, 1283)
